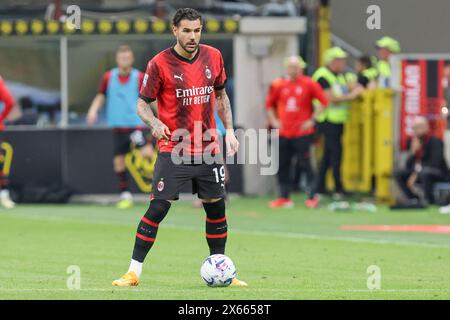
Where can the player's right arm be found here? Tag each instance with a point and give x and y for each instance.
(144, 110)
(271, 101)
(95, 107)
(99, 100)
(150, 88)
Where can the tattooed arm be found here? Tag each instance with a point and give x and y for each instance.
(224, 111)
(159, 129)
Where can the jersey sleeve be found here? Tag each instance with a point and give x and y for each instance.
(221, 78)
(7, 98)
(319, 94)
(151, 83)
(104, 83)
(272, 96)
(140, 79)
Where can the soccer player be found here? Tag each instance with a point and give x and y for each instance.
(293, 97)
(119, 89)
(6, 105)
(184, 80)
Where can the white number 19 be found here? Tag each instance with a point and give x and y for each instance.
(222, 173)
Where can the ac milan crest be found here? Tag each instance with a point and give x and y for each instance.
(207, 73)
(160, 186)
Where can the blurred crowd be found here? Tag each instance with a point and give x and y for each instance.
(305, 109)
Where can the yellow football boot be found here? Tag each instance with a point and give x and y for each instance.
(129, 279)
(238, 283)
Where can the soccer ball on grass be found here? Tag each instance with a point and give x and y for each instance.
(218, 271)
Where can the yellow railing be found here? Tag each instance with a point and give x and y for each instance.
(368, 151)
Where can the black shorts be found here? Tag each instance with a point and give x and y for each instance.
(125, 139)
(208, 180)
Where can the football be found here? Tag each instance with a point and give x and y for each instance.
(218, 271)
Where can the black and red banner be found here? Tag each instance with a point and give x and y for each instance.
(422, 95)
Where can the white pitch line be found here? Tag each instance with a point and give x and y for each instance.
(244, 289)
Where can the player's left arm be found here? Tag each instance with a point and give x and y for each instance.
(225, 114)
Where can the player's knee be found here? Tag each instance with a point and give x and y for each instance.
(215, 210)
(157, 210)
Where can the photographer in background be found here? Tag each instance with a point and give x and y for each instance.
(425, 164)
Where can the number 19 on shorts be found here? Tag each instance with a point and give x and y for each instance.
(220, 172)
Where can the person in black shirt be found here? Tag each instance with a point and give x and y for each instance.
(425, 163)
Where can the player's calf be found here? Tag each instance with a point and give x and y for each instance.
(216, 226)
(148, 228)
(145, 237)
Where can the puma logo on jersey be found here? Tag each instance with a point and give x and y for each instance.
(178, 77)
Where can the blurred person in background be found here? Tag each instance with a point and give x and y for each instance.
(293, 98)
(28, 113)
(446, 209)
(366, 73)
(331, 122)
(6, 104)
(119, 90)
(295, 164)
(425, 164)
(386, 46)
(447, 90)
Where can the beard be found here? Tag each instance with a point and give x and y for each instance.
(189, 49)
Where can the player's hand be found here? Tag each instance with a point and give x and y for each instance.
(308, 124)
(276, 124)
(356, 92)
(91, 118)
(160, 130)
(231, 143)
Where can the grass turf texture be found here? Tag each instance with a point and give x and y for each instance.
(294, 253)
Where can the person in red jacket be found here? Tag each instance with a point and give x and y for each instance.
(6, 105)
(293, 97)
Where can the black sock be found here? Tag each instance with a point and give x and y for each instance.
(216, 226)
(123, 181)
(148, 228)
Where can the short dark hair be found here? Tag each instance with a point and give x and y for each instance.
(186, 14)
(124, 48)
(366, 61)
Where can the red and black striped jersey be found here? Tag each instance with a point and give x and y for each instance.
(185, 92)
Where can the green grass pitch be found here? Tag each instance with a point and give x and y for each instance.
(293, 253)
